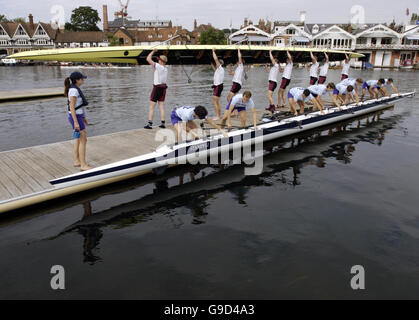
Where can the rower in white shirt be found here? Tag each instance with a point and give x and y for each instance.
(319, 90)
(286, 79)
(324, 69)
(345, 67)
(237, 77)
(299, 96)
(314, 69)
(218, 84)
(273, 81)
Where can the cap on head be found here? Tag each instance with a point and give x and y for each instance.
(163, 58)
(76, 75)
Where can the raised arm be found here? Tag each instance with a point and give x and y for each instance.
(313, 57)
(327, 57)
(214, 55)
(272, 57)
(239, 54)
(289, 55)
(347, 58)
(213, 67)
(150, 57)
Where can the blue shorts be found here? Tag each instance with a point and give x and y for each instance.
(336, 91)
(365, 86)
(290, 96)
(80, 120)
(175, 118)
(239, 109)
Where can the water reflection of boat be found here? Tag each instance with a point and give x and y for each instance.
(313, 148)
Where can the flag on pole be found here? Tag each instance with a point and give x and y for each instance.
(407, 11)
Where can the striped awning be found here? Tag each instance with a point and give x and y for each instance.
(300, 39)
(252, 38)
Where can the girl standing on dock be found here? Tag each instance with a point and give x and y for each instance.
(76, 102)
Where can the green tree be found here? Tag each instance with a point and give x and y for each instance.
(19, 20)
(113, 41)
(3, 18)
(83, 19)
(212, 36)
(414, 18)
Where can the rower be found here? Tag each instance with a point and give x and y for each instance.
(300, 95)
(343, 94)
(273, 81)
(240, 102)
(286, 79)
(388, 83)
(319, 90)
(324, 69)
(218, 85)
(237, 77)
(187, 114)
(159, 89)
(356, 83)
(372, 86)
(345, 67)
(314, 69)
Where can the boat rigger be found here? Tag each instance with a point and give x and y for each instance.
(170, 155)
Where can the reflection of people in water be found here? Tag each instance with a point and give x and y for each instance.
(92, 236)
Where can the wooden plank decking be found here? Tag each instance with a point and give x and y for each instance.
(24, 172)
(31, 94)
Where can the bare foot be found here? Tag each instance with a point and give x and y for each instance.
(85, 168)
(77, 164)
(216, 119)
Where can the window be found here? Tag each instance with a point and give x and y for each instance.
(4, 42)
(160, 36)
(2, 33)
(40, 32)
(150, 36)
(386, 41)
(290, 31)
(21, 32)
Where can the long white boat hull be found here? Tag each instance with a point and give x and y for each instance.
(192, 151)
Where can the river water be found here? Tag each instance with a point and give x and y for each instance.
(324, 203)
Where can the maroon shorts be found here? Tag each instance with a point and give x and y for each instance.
(322, 80)
(236, 87)
(272, 85)
(313, 81)
(285, 82)
(158, 93)
(344, 76)
(218, 90)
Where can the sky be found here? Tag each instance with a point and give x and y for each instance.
(220, 13)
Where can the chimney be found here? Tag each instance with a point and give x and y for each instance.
(302, 16)
(195, 24)
(31, 21)
(105, 17)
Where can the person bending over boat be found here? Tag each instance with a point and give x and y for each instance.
(356, 83)
(372, 86)
(314, 69)
(158, 95)
(218, 84)
(324, 69)
(187, 115)
(388, 83)
(286, 79)
(76, 102)
(317, 91)
(240, 102)
(273, 81)
(344, 94)
(298, 96)
(237, 77)
(345, 67)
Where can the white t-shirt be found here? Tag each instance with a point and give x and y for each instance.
(160, 74)
(73, 92)
(386, 84)
(372, 83)
(238, 74)
(341, 88)
(345, 68)
(273, 74)
(349, 82)
(297, 93)
(287, 71)
(324, 69)
(186, 113)
(319, 89)
(219, 76)
(314, 70)
(237, 102)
